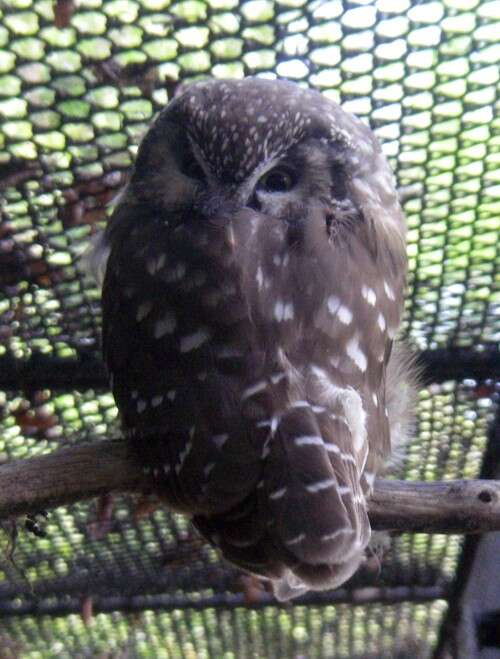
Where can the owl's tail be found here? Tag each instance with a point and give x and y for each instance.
(305, 526)
(317, 509)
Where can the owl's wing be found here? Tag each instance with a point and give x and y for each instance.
(171, 317)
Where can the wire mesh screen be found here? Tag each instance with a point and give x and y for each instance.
(79, 83)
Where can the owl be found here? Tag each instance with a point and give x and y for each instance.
(254, 273)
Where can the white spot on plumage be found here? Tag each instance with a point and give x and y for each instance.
(369, 295)
(283, 311)
(335, 361)
(370, 478)
(299, 404)
(156, 401)
(343, 490)
(171, 394)
(350, 401)
(328, 537)
(230, 236)
(141, 406)
(165, 325)
(344, 315)
(388, 291)
(143, 310)
(176, 273)
(318, 409)
(153, 265)
(321, 485)
(183, 455)
(208, 468)
(166, 469)
(195, 340)
(134, 394)
(356, 354)
(276, 378)
(229, 353)
(309, 440)
(220, 440)
(296, 540)
(254, 389)
(391, 332)
(333, 304)
(381, 322)
(375, 399)
(278, 494)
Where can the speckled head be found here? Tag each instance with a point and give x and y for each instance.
(219, 137)
(239, 125)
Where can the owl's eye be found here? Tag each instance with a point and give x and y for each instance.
(191, 167)
(279, 179)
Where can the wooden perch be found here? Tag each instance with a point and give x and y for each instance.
(86, 470)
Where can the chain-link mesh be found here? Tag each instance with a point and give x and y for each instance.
(79, 82)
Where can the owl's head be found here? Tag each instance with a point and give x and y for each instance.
(267, 145)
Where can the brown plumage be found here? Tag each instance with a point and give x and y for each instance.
(252, 293)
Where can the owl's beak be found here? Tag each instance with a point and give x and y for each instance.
(218, 202)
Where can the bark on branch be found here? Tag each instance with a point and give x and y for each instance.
(86, 470)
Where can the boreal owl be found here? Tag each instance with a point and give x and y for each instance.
(254, 270)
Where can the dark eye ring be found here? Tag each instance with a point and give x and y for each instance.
(278, 179)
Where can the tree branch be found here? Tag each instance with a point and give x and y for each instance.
(87, 470)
